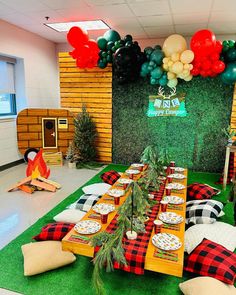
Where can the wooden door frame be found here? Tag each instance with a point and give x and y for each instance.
(52, 119)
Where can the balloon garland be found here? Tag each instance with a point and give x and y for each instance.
(206, 57)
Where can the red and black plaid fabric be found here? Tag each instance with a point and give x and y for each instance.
(213, 260)
(135, 250)
(200, 191)
(54, 231)
(110, 177)
(230, 170)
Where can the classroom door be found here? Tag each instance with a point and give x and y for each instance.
(49, 132)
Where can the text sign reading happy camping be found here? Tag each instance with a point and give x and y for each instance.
(170, 104)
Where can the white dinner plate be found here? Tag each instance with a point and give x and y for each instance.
(132, 171)
(177, 176)
(98, 208)
(165, 241)
(171, 217)
(87, 227)
(175, 186)
(116, 192)
(175, 200)
(125, 180)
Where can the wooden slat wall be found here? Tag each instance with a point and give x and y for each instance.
(93, 88)
(233, 119)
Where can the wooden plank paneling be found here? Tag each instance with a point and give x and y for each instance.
(233, 118)
(93, 89)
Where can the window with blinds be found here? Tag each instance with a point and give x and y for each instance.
(7, 87)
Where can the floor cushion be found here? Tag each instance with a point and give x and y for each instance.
(96, 189)
(54, 231)
(85, 202)
(202, 211)
(69, 215)
(43, 256)
(221, 233)
(110, 177)
(206, 286)
(213, 260)
(200, 191)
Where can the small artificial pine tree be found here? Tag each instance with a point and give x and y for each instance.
(72, 153)
(85, 135)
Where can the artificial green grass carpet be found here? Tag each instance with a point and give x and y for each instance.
(75, 279)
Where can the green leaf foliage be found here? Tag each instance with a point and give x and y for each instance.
(195, 141)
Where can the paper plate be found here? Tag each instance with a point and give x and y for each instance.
(175, 185)
(115, 192)
(165, 241)
(137, 165)
(87, 227)
(179, 169)
(175, 200)
(98, 208)
(125, 180)
(177, 176)
(131, 171)
(171, 217)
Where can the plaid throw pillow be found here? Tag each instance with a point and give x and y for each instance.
(86, 202)
(54, 231)
(202, 211)
(213, 260)
(110, 177)
(200, 191)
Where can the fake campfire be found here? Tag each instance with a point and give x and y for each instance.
(37, 174)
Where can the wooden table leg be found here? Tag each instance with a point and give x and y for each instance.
(226, 167)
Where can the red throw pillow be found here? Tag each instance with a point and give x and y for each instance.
(110, 177)
(213, 260)
(200, 191)
(54, 231)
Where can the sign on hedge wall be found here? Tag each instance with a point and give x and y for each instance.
(171, 104)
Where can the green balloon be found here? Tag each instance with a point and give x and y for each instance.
(128, 43)
(163, 80)
(157, 47)
(157, 73)
(229, 74)
(231, 43)
(111, 35)
(144, 69)
(109, 58)
(102, 64)
(153, 81)
(113, 48)
(148, 51)
(230, 55)
(225, 43)
(157, 56)
(102, 43)
(152, 64)
(225, 48)
(110, 44)
(104, 54)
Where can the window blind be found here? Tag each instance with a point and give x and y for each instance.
(7, 78)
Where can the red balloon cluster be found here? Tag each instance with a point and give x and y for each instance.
(86, 51)
(207, 51)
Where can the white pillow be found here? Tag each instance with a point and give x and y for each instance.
(96, 189)
(206, 286)
(218, 232)
(69, 215)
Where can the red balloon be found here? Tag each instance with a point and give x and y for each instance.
(203, 42)
(214, 56)
(195, 72)
(77, 37)
(218, 46)
(206, 65)
(203, 73)
(218, 66)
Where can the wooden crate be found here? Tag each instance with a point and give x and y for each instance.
(55, 159)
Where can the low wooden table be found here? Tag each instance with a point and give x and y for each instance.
(151, 263)
(229, 149)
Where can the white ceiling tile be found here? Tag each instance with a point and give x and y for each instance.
(60, 4)
(190, 6)
(18, 19)
(156, 20)
(160, 31)
(193, 18)
(223, 27)
(222, 17)
(117, 10)
(25, 5)
(104, 2)
(4, 9)
(189, 30)
(39, 16)
(224, 5)
(152, 8)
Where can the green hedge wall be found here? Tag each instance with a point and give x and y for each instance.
(195, 141)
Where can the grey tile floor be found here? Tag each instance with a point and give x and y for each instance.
(19, 210)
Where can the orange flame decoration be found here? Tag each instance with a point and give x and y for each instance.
(37, 167)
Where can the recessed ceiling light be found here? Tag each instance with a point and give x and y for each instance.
(85, 25)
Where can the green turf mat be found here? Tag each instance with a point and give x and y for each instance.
(75, 279)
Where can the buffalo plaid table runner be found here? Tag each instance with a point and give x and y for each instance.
(135, 250)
